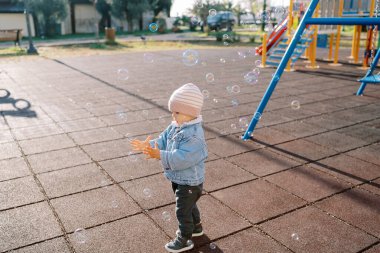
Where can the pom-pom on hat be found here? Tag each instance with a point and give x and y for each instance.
(187, 99)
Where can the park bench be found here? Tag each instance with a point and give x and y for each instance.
(14, 35)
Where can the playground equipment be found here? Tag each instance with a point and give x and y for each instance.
(306, 20)
(274, 37)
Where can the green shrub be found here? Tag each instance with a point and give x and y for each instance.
(227, 37)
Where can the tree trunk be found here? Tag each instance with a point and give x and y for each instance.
(130, 24)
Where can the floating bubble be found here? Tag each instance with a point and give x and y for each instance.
(235, 102)
(148, 58)
(258, 63)
(226, 37)
(200, 4)
(80, 235)
(295, 237)
(210, 77)
(194, 20)
(132, 157)
(257, 115)
(190, 57)
(88, 104)
(145, 112)
(295, 104)
(123, 74)
(243, 122)
(233, 126)
(190, 191)
(276, 78)
(166, 216)
(114, 204)
(215, 100)
(153, 27)
(147, 192)
(251, 78)
(212, 246)
(222, 60)
(241, 55)
(162, 120)
(235, 88)
(205, 93)
(204, 63)
(265, 16)
(256, 71)
(280, 12)
(229, 88)
(212, 12)
(226, 43)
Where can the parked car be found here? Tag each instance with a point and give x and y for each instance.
(223, 19)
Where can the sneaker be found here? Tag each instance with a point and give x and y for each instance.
(179, 244)
(197, 231)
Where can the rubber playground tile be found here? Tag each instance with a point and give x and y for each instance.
(270, 136)
(68, 115)
(58, 159)
(56, 245)
(304, 151)
(225, 127)
(221, 173)
(19, 192)
(229, 145)
(258, 200)
(151, 191)
(155, 113)
(263, 162)
(271, 118)
(328, 121)
(311, 230)
(321, 107)
(18, 122)
(248, 240)
(131, 167)
(81, 124)
(94, 207)
(308, 183)
(144, 128)
(9, 150)
(45, 144)
(105, 109)
(6, 136)
(36, 131)
(299, 128)
(336, 141)
(133, 234)
(374, 249)
(123, 118)
(296, 113)
(27, 225)
(95, 135)
(76, 179)
(13, 168)
(373, 186)
(348, 168)
(357, 207)
(108, 150)
(217, 220)
(362, 132)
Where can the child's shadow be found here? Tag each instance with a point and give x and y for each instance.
(203, 244)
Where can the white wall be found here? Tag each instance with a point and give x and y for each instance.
(86, 18)
(16, 21)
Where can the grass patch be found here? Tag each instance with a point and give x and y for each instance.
(12, 51)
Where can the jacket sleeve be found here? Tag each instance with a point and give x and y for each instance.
(189, 152)
(161, 140)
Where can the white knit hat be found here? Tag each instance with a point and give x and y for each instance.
(187, 99)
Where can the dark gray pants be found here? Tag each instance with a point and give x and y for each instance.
(186, 209)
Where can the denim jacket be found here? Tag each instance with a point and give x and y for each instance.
(183, 151)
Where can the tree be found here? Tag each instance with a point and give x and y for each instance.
(130, 9)
(104, 9)
(48, 13)
(161, 5)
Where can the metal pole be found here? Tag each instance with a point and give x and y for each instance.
(280, 70)
(264, 16)
(31, 49)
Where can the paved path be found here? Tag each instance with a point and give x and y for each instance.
(308, 182)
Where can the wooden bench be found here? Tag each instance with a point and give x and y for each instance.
(14, 35)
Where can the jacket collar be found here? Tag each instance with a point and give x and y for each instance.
(191, 122)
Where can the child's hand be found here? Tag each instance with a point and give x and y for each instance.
(140, 145)
(152, 152)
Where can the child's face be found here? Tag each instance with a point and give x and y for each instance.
(181, 118)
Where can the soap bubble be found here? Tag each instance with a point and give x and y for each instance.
(190, 57)
(295, 237)
(114, 204)
(153, 27)
(258, 63)
(256, 71)
(295, 105)
(241, 55)
(123, 74)
(200, 4)
(235, 102)
(215, 100)
(229, 88)
(147, 192)
(212, 246)
(226, 43)
(212, 12)
(243, 122)
(222, 60)
(148, 58)
(235, 88)
(80, 235)
(206, 93)
(210, 77)
(251, 78)
(166, 216)
(233, 126)
(194, 20)
(257, 115)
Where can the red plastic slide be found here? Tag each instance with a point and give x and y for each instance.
(277, 33)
